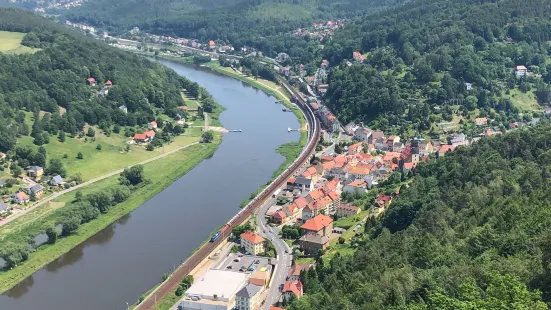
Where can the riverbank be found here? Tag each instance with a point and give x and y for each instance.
(184, 161)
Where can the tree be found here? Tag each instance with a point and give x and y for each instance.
(56, 167)
(33, 196)
(132, 176)
(52, 233)
(78, 196)
(70, 224)
(149, 147)
(80, 156)
(98, 147)
(61, 136)
(208, 137)
(91, 132)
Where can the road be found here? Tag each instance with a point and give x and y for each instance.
(65, 191)
(283, 254)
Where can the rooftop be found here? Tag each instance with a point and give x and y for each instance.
(249, 291)
(317, 223)
(223, 284)
(252, 237)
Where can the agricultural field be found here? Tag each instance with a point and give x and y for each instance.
(10, 43)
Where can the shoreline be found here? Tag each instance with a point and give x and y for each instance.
(49, 253)
(167, 302)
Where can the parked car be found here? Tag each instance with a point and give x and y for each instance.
(240, 255)
(229, 267)
(236, 260)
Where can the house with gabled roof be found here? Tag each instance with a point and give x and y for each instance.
(252, 243)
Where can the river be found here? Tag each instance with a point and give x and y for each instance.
(130, 256)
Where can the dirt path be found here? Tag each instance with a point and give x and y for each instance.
(65, 191)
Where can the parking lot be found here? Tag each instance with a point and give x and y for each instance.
(244, 263)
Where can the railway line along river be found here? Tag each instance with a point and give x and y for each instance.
(130, 256)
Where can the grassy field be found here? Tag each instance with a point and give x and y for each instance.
(111, 157)
(10, 43)
(161, 173)
(524, 101)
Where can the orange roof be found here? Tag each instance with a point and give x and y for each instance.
(394, 166)
(316, 194)
(348, 206)
(22, 196)
(294, 287)
(211, 42)
(360, 170)
(410, 166)
(279, 214)
(333, 184)
(390, 155)
(326, 158)
(140, 136)
(446, 148)
(275, 308)
(91, 80)
(317, 223)
(309, 172)
(291, 180)
(292, 207)
(341, 159)
(328, 165)
(252, 237)
(108, 83)
(358, 183)
(392, 138)
(301, 202)
(154, 124)
(333, 195)
(149, 133)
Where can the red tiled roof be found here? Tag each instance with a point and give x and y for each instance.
(140, 136)
(108, 83)
(280, 215)
(294, 287)
(358, 183)
(333, 195)
(317, 223)
(252, 237)
(149, 133)
(326, 158)
(22, 196)
(341, 159)
(316, 194)
(211, 42)
(349, 207)
(275, 308)
(291, 180)
(296, 269)
(154, 124)
(91, 80)
(410, 166)
(446, 148)
(328, 165)
(301, 202)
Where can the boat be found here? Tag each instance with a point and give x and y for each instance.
(284, 109)
(289, 129)
(236, 130)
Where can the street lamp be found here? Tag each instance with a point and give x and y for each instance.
(127, 306)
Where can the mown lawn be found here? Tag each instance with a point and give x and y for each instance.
(111, 157)
(10, 43)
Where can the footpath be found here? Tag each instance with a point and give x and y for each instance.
(65, 191)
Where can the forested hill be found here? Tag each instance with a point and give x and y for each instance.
(238, 22)
(56, 76)
(420, 55)
(472, 231)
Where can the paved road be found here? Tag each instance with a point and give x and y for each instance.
(65, 191)
(284, 259)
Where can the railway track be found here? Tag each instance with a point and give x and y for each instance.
(174, 280)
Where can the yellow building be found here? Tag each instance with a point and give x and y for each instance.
(252, 243)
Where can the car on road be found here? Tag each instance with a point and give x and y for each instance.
(229, 267)
(286, 251)
(240, 255)
(236, 260)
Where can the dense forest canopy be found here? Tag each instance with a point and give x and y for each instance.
(472, 231)
(238, 22)
(422, 54)
(56, 76)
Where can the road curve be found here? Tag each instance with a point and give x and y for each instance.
(203, 252)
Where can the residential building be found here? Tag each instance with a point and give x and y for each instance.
(362, 134)
(346, 210)
(292, 288)
(123, 108)
(376, 135)
(320, 225)
(35, 171)
(279, 217)
(521, 71)
(248, 298)
(311, 244)
(152, 125)
(275, 308)
(301, 183)
(252, 243)
(358, 57)
(360, 171)
(3, 207)
(481, 121)
(358, 185)
(35, 189)
(91, 81)
(444, 149)
(261, 277)
(355, 148)
(108, 83)
(215, 290)
(56, 181)
(383, 201)
(294, 272)
(20, 198)
(144, 137)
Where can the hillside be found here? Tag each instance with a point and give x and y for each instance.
(472, 231)
(49, 81)
(236, 21)
(420, 56)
